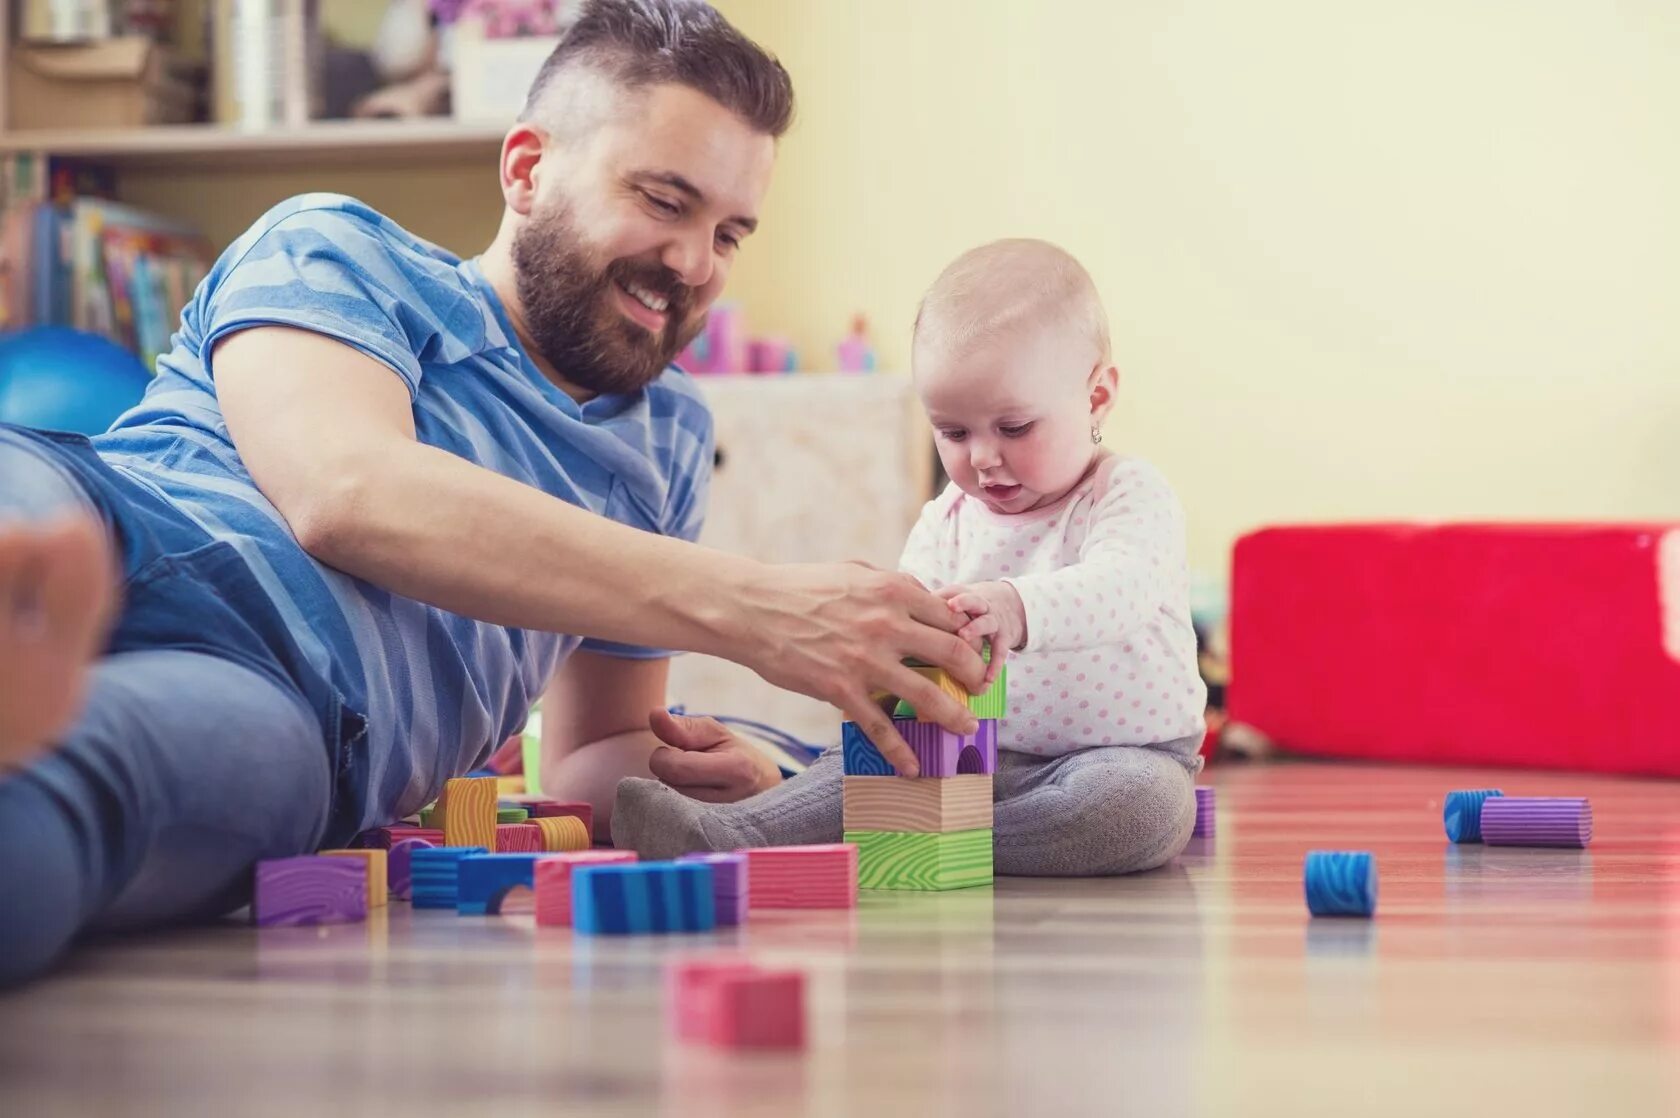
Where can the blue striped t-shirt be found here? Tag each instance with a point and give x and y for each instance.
(438, 690)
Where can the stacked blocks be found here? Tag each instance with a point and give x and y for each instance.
(486, 879)
(553, 877)
(735, 1004)
(730, 883)
(933, 831)
(374, 862)
(434, 875)
(466, 812)
(820, 876)
(642, 897)
(309, 890)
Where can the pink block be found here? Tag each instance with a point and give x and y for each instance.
(763, 1009)
(821, 876)
(553, 877)
(543, 809)
(518, 838)
(688, 1002)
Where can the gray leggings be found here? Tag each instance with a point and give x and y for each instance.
(1096, 812)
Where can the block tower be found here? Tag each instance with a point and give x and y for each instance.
(933, 831)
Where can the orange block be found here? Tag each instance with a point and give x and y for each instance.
(375, 862)
(466, 812)
(562, 832)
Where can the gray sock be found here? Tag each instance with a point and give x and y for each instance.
(658, 822)
(1108, 810)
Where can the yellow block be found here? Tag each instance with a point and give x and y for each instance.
(375, 862)
(466, 812)
(562, 832)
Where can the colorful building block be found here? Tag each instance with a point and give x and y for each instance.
(1340, 882)
(486, 879)
(729, 885)
(554, 881)
(466, 812)
(435, 875)
(907, 860)
(309, 890)
(822, 876)
(375, 863)
(562, 832)
(734, 1004)
(399, 869)
(642, 897)
(518, 838)
(991, 703)
(923, 804)
(511, 813)
(384, 838)
(939, 752)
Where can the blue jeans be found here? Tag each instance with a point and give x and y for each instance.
(194, 756)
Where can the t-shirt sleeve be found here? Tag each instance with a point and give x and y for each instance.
(336, 274)
(1131, 564)
(685, 516)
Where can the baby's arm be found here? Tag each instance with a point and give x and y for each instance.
(1131, 564)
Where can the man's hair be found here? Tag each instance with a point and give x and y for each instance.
(1002, 286)
(641, 43)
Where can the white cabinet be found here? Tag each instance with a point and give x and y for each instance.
(812, 467)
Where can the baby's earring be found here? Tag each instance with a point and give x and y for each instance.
(1096, 435)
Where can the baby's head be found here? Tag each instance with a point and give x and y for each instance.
(1011, 361)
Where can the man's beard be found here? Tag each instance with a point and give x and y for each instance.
(571, 317)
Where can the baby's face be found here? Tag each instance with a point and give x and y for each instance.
(1012, 418)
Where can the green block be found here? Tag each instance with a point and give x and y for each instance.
(512, 815)
(531, 751)
(992, 703)
(908, 860)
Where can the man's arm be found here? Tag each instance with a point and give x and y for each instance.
(328, 435)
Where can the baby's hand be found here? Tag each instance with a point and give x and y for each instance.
(995, 613)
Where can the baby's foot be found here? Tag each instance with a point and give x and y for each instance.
(57, 589)
(658, 822)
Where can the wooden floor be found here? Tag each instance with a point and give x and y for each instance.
(1492, 982)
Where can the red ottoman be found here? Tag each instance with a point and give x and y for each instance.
(1552, 646)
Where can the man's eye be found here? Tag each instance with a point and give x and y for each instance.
(661, 204)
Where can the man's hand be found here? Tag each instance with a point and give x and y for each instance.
(703, 760)
(994, 613)
(840, 631)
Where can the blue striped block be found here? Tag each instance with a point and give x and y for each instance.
(643, 897)
(1340, 882)
(1462, 813)
(435, 875)
(487, 878)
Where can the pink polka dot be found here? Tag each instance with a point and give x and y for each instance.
(1097, 658)
(1067, 721)
(1064, 694)
(1080, 677)
(1053, 737)
(1103, 713)
(1083, 703)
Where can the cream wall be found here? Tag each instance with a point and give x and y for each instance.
(1362, 260)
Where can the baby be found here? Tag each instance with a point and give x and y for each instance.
(1068, 558)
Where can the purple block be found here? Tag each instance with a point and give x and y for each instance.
(729, 884)
(399, 866)
(310, 890)
(1537, 821)
(941, 753)
(1204, 814)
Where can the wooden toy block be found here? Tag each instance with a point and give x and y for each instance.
(729, 885)
(530, 749)
(309, 890)
(737, 1005)
(554, 882)
(939, 752)
(511, 813)
(466, 812)
(399, 868)
(435, 874)
(375, 861)
(899, 860)
(518, 838)
(991, 703)
(510, 785)
(642, 897)
(545, 809)
(562, 832)
(384, 838)
(486, 879)
(926, 805)
(822, 876)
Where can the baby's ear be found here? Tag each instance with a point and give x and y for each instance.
(1104, 387)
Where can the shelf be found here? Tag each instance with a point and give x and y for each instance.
(211, 147)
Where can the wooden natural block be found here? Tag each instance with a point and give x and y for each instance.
(923, 804)
(822, 876)
(939, 752)
(309, 891)
(737, 1005)
(554, 882)
(562, 832)
(643, 897)
(466, 812)
(899, 860)
(375, 860)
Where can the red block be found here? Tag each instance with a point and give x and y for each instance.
(737, 1005)
(542, 809)
(821, 876)
(553, 878)
(1550, 646)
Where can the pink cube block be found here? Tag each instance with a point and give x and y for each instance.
(819, 876)
(687, 993)
(518, 838)
(553, 877)
(735, 1005)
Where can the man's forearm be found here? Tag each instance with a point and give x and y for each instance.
(427, 525)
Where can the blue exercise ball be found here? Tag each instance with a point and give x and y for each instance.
(67, 380)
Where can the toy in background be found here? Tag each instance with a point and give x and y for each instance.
(856, 354)
(493, 49)
(771, 355)
(718, 348)
(1210, 609)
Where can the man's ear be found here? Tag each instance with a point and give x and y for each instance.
(521, 166)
